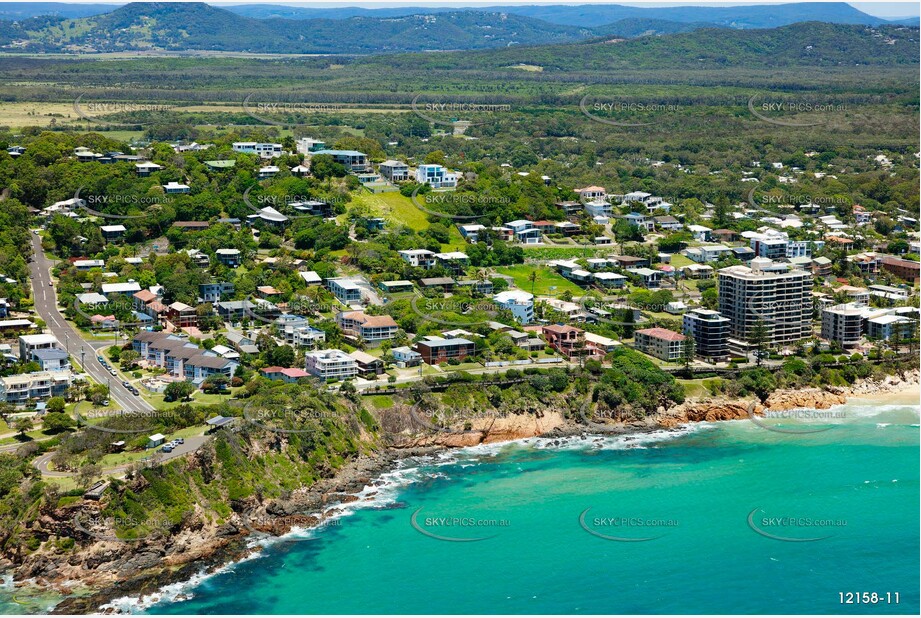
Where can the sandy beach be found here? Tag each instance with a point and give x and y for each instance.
(910, 395)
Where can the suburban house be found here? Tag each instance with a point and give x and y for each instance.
(213, 292)
(31, 343)
(88, 264)
(269, 216)
(609, 280)
(173, 187)
(310, 277)
(707, 253)
(146, 168)
(51, 359)
(418, 258)
(520, 303)
(397, 286)
(436, 176)
(649, 278)
(372, 329)
(591, 194)
(668, 223)
(368, 366)
(346, 290)
(264, 150)
(394, 171)
(436, 350)
(229, 257)
(445, 284)
(285, 374)
(406, 356)
(701, 233)
(181, 314)
(524, 231)
(352, 160)
(568, 341)
(112, 233)
(331, 364)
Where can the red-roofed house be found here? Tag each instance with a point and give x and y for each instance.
(660, 342)
(568, 341)
(285, 374)
(104, 321)
(143, 298)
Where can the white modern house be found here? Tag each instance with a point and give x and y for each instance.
(520, 303)
(264, 150)
(436, 176)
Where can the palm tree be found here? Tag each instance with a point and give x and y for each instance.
(533, 279)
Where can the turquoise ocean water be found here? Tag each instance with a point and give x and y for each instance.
(738, 519)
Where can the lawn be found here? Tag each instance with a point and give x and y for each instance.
(198, 398)
(546, 278)
(394, 207)
(381, 402)
(679, 260)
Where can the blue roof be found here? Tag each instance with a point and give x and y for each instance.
(143, 317)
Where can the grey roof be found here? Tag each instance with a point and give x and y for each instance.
(50, 354)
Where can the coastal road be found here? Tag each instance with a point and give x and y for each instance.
(46, 306)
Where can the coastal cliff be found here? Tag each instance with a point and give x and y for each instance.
(205, 537)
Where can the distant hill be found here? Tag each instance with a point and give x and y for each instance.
(595, 15)
(196, 26)
(809, 44)
(25, 10)
(637, 27)
(185, 26)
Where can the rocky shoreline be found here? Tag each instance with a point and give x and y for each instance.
(148, 567)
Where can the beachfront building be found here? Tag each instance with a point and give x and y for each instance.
(843, 324)
(775, 295)
(662, 343)
(710, 332)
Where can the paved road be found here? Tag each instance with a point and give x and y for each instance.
(47, 308)
(191, 445)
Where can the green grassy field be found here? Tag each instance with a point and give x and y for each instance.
(679, 260)
(395, 207)
(198, 398)
(546, 278)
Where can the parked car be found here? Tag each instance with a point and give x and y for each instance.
(180, 440)
(105, 403)
(167, 448)
(126, 383)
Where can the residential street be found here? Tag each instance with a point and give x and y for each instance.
(47, 309)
